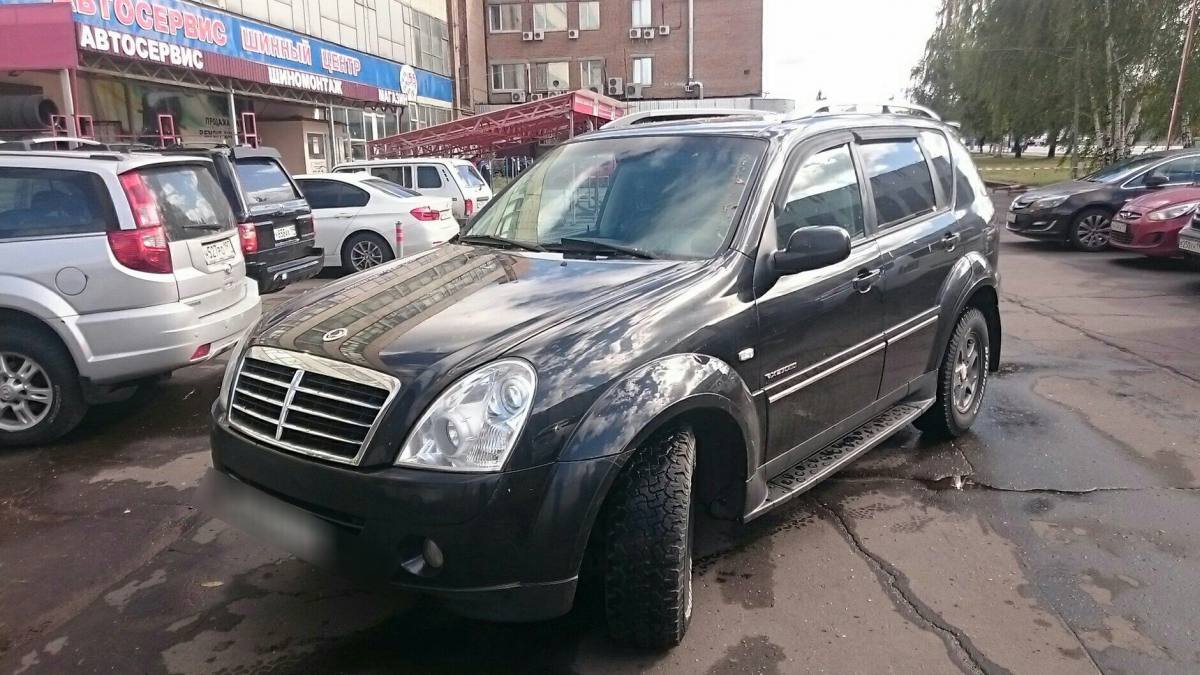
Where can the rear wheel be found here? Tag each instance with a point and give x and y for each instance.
(962, 379)
(364, 250)
(40, 396)
(1091, 230)
(648, 544)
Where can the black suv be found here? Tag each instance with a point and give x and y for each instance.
(275, 223)
(650, 321)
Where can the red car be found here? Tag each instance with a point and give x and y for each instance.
(1150, 224)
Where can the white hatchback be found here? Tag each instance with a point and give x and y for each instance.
(362, 221)
(455, 179)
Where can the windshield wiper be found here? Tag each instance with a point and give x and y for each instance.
(573, 245)
(492, 240)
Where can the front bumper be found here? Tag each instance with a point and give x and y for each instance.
(274, 276)
(510, 544)
(1189, 242)
(1149, 237)
(1047, 224)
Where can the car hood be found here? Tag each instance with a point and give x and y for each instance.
(1157, 200)
(1070, 187)
(452, 304)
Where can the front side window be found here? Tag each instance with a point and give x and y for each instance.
(50, 202)
(1178, 172)
(1116, 173)
(824, 191)
(264, 181)
(554, 76)
(900, 181)
(549, 16)
(641, 14)
(674, 197)
(504, 18)
(508, 77)
(589, 16)
(642, 70)
(400, 175)
(591, 73)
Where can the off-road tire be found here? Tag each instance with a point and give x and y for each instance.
(68, 406)
(1077, 236)
(944, 420)
(648, 543)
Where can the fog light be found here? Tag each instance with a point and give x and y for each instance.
(202, 351)
(433, 555)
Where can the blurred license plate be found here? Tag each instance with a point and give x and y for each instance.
(1189, 245)
(218, 251)
(1119, 226)
(1012, 218)
(285, 232)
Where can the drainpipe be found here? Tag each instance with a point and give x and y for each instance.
(233, 119)
(692, 83)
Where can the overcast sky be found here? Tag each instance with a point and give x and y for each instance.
(860, 50)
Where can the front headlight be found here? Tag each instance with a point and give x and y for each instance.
(1172, 212)
(475, 423)
(235, 357)
(1050, 202)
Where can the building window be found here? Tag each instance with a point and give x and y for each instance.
(508, 77)
(504, 18)
(548, 16)
(554, 76)
(431, 36)
(591, 74)
(642, 71)
(589, 16)
(641, 14)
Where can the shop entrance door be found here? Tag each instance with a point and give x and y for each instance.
(316, 153)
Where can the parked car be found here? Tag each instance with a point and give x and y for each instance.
(1150, 224)
(456, 179)
(274, 221)
(1189, 241)
(1080, 212)
(117, 268)
(650, 322)
(364, 221)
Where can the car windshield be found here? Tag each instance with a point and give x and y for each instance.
(391, 188)
(468, 175)
(674, 197)
(264, 181)
(1115, 173)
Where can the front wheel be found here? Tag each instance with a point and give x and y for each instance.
(1091, 230)
(648, 544)
(962, 379)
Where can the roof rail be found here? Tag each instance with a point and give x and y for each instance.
(688, 114)
(888, 107)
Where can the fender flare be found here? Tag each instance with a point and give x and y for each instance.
(970, 273)
(47, 308)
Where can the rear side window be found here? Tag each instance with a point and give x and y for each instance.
(332, 194)
(939, 153)
(391, 188)
(50, 202)
(427, 177)
(468, 175)
(264, 181)
(900, 181)
(968, 186)
(190, 200)
(400, 175)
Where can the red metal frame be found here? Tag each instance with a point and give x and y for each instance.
(166, 131)
(85, 125)
(488, 133)
(249, 129)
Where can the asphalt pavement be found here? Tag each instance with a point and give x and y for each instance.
(1061, 536)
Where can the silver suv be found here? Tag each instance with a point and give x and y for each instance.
(116, 268)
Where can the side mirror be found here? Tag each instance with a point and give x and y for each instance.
(811, 248)
(1154, 180)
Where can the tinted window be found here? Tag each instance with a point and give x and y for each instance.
(900, 180)
(391, 188)
(939, 153)
(427, 177)
(1115, 173)
(191, 202)
(264, 181)
(968, 186)
(468, 175)
(1182, 170)
(332, 194)
(823, 191)
(400, 175)
(44, 202)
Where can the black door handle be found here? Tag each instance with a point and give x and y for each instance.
(950, 241)
(866, 280)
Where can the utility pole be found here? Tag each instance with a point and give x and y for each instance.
(1187, 50)
(1075, 120)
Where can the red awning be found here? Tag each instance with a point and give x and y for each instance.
(488, 133)
(37, 36)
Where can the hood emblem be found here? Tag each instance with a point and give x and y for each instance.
(334, 335)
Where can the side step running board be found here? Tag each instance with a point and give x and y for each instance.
(818, 466)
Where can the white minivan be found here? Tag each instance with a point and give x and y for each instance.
(456, 179)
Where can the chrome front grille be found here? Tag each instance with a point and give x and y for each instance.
(309, 404)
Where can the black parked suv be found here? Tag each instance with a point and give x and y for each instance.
(275, 223)
(1080, 212)
(650, 321)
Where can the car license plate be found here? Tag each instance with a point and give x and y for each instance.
(1119, 226)
(285, 232)
(218, 251)
(1189, 245)
(1012, 218)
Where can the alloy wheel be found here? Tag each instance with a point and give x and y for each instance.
(365, 254)
(1095, 230)
(26, 394)
(968, 373)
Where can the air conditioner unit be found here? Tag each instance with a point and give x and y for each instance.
(633, 90)
(536, 97)
(573, 34)
(539, 35)
(635, 33)
(648, 33)
(518, 97)
(527, 36)
(664, 30)
(616, 86)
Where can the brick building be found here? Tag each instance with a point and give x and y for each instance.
(628, 49)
